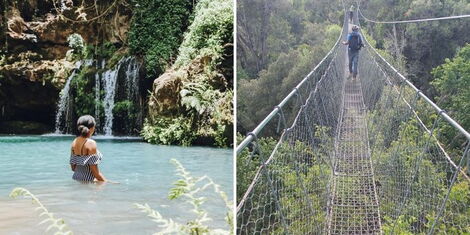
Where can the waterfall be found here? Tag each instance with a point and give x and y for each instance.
(98, 93)
(109, 85)
(120, 84)
(64, 100)
(132, 85)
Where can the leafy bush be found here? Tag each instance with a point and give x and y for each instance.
(284, 167)
(248, 163)
(211, 30)
(188, 188)
(169, 131)
(452, 81)
(123, 108)
(81, 85)
(76, 43)
(157, 31)
(206, 100)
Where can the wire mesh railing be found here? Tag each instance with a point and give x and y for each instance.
(418, 154)
(289, 191)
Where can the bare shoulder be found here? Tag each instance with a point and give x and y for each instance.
(91, 146)
(74, 142)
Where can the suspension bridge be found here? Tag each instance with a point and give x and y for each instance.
(362, 156)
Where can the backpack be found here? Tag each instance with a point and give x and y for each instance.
(355, 43)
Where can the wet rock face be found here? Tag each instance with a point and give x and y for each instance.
(30, 66)
(28, 102)
(165, 96)
(34, 68)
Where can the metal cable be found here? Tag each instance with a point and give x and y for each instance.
(410, 21)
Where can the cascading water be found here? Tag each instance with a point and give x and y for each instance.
(132, 86)
(98, 93)
(119, 85)
(109, 85)
(64, 100)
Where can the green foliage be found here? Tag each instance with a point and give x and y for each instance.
(123, 106)
(169, 131)
(279, 43)
(452, 81)
(420, 46)
(79, 49)
(301, 172)
(267, 29)
(257, 97)
(107, 50)
(407, 162)
(125, 110)
(75, 42)
(248, 163)
(207, 35)
(399, 226)
(81, 85)
(188, 189)
(206, 99)
(241, 73)
(157, 31)
(54, 223)
(198, 98)
(207, 113)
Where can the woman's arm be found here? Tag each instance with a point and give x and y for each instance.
(96, 173)
(91, 148)
(72, 166)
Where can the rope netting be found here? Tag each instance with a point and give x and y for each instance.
(366, 156)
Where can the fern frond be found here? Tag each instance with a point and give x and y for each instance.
(187, 187)
(168, 225)
(54, 223)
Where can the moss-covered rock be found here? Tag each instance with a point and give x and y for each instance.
(198, 87)
(33, 48)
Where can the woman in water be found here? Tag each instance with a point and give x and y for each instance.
(85, 157)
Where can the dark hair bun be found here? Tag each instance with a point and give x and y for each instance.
(84, 124)
(83, 130)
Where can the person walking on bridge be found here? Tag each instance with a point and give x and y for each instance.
(351, 14)
(355, 44)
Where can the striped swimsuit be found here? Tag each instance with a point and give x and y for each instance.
(82, 165)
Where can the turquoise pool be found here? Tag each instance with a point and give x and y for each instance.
(40, 164)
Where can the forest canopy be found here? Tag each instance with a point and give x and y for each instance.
(279, 42)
